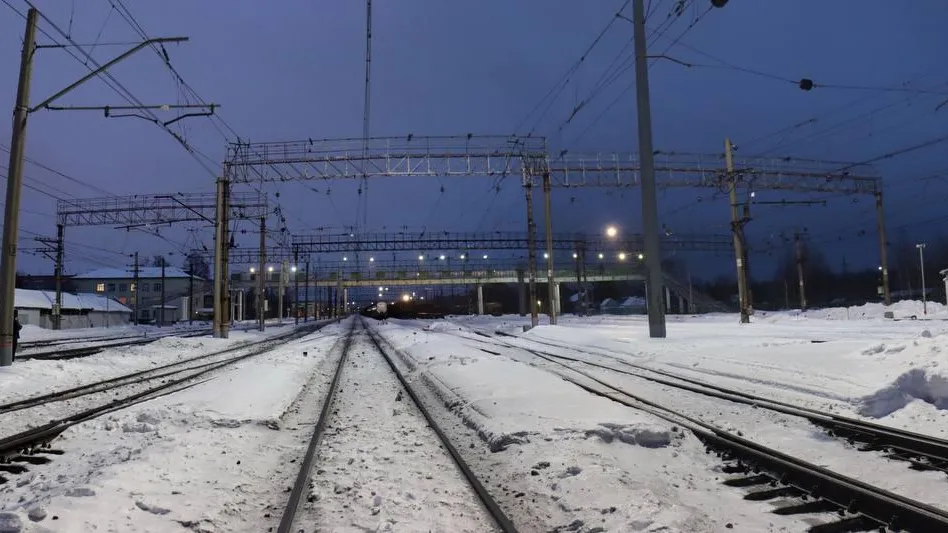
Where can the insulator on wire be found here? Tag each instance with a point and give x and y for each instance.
(806, 84)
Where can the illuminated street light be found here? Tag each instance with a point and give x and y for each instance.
(253, 270)
(641, 257)
(621, 256)
(601, 255)
(575, 255)
(546, 255)
(462, 256)
(292, 269)
(371, 259)
(381, 289)
(485, 256)
(612, 231)
(269, 269)
(441, 258)
(406, 297)
(344, 258)
(421, 258)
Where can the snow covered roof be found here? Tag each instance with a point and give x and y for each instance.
(127, 273)
(633, 301)
(29, 299)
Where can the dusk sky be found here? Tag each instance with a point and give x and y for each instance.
(294, 69)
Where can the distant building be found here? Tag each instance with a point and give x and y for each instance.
(119, 284)
(78, 310)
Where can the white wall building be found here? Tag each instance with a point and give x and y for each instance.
(81, 310)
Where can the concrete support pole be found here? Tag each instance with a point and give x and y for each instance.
(737, 229)
(11, 214)
(282, 286)
(548, 222)
(225, 263)
(798, 248)
(306, 294)
(653, 255)
(262, 276)
(57, 312)
(345, 301)
(480, 299)
(668, 300)
(532, 248)
(521, 293)
(557, 304)
(883, 246)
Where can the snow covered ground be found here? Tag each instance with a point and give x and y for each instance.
(222, 455)
(891, 371)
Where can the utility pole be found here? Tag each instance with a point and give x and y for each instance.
(11, 215)
(548, 220)
(921, 266)
(282, 286)
(296, 286)
(161, 316)
(653, 257)
(136, 287)
(737, 229)
(224, 281)
(798, 245)
(531, 245)
(306, 294)
(218, 261)
(190, 292)
(261, 277)
(54, 250)
(883, 245)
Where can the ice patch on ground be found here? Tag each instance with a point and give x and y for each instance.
(916, 384)
(645, 435)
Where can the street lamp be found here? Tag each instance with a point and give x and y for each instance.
(371, 259)
(269, 269)
(485, 257)
(253, 270)
(421, 258)
(621, 256)
(293, 268)
(441, 258)
(462, 257)
(546, 255)
(602, 255)
(611, 232)
(344, 258)
(641, 257)
(921, 266)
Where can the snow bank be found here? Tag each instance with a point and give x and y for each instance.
(869, 311)
(924, 377)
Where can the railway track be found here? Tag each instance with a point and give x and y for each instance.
(32, 445)
(354, 369)
(860, 505)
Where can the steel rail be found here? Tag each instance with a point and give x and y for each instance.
(498, 514)
(303, 476)
(38, 437)
(876, 436)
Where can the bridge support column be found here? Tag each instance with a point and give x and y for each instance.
(681, 305)
(345, 301)
(521, 293)
(668, 300)
(480, 299)
(556, 304)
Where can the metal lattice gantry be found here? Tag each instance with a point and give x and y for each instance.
(415, 156)
(461, 241)
(155, 209)
(468, 155)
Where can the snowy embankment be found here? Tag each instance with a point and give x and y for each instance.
(210, 458)
(895, 371)
(559, 458)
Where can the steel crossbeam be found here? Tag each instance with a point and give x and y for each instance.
(155, 209)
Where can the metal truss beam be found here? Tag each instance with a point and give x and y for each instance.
(155, 209)
(459, 242)
(497, 155)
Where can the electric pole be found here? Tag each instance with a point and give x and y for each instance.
(737, 229)
(296, 286)
(11, 215)
(798, 246)
(135, 286)
(548, 221)
(306, 294)
(190, 291)
(653, 258)
(261, 277)
(161, 319)
(921, 266)
(531, 245)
